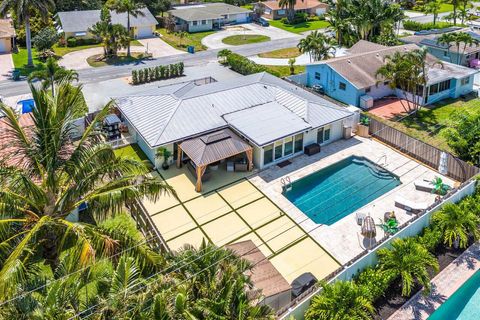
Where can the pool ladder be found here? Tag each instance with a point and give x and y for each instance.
(286, 184)
(384, 164)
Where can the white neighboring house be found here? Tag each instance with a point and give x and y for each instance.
(77, 23)
(7, 35)
(275, 118)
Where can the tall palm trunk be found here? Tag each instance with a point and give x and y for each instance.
(28, 37)
(455, 12)
(128, 28)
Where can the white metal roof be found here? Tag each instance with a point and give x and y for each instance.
(179, 112)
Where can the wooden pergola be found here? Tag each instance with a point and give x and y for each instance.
(211, 148)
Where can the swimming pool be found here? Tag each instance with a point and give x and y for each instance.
(464, 304)
(334, 192)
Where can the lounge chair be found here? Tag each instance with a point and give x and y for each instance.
(423, 185)
(409, 205)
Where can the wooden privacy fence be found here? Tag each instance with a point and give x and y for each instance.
(456, 169)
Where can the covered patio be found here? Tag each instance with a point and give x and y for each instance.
(210, 149)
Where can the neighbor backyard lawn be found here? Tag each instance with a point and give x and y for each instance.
(428, 123)
(245, 39)
(301, 27)
(284, 71)
(281, 53)
(132, 151)
(190, 39)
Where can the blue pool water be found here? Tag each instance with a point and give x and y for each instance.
(464, 304)
(330, 194)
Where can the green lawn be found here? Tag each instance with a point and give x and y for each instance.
(281, 53)
(301, 27)
(191, 39)
(132, 151)
(424, 125)
(61, 51)
(284, 71)
(20, 61)
(245, 39)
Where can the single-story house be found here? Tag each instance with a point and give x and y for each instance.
(7, 35)
(462, 55)
(208, 16)
(77, 23)
(262, 117)
(352, 79)
(273, 10)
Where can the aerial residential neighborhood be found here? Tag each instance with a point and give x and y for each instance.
(278, 159)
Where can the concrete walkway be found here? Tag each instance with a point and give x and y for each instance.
(301, 60)
(444, 285)
(214, 41)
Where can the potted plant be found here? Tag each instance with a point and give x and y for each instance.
(439, 187)
(165, 153)
(363, 127)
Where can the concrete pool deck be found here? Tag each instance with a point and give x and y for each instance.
(343, 239)
(420, 307)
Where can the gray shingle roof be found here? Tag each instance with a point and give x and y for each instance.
(431, 40)
(207, 11)
(81, 21)
(360, 69)
(175, 114)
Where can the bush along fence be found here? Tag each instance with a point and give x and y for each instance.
(147, 75)
(244, 65)
(419, 26)
(362, 268)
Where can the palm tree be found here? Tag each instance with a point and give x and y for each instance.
(447, 40)
(409, 261)
(223, 54)
(53, 74)
(132, 8)
(23, 10)
(457, 223)
(52, 177)
(290, 7)
(467, 40)
(291, 64)
(318, 45)
(341, 300)
(433, 7)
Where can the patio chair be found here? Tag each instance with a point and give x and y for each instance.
(423, 185)
(409, 205)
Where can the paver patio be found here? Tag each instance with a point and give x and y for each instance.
(388, 108)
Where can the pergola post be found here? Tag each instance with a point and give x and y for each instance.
(249, 153)
(200, 171)
(179, 156)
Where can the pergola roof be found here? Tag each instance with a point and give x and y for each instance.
(214, 147)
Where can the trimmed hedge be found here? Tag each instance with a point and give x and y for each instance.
(157, 73)
(418, 26)
(244, 65)
(74, 42)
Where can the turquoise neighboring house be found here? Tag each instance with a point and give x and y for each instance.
(463, 55)
(352, 79)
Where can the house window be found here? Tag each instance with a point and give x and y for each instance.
(445, 85)
(465, 81)
(433, 89)
(298, 143)
(195, 23)
(278, 149)
(367, 90)
(320, 136)
(342, 86)
(326, 135)
(288, 146)
(317, 75)
(204, 21)
(445, 53)
(268, 154)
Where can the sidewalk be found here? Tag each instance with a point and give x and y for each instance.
(420, 307)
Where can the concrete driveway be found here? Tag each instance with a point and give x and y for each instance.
(159, 48)
(78, 59)
(6, 66)
(214, 41)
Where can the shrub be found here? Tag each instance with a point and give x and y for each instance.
(418, 26)
(181, 68)
(431, 238)
(134, 76)
(245, 66)
(151, 74)
(156, 73)
(374, 281)
(45, 39)
(141, 78)
(72, 42)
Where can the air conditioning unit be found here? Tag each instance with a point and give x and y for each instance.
(366, 102)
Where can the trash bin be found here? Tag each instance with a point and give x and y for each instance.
(16, 75)
(191, 49)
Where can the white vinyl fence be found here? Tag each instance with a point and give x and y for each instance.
(414, 227)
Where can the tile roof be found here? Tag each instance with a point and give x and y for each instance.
(299, 5)
(80, 21)
(207, 11)
(360, 69)
(6, 28)
(9, 154)
(182, 111)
